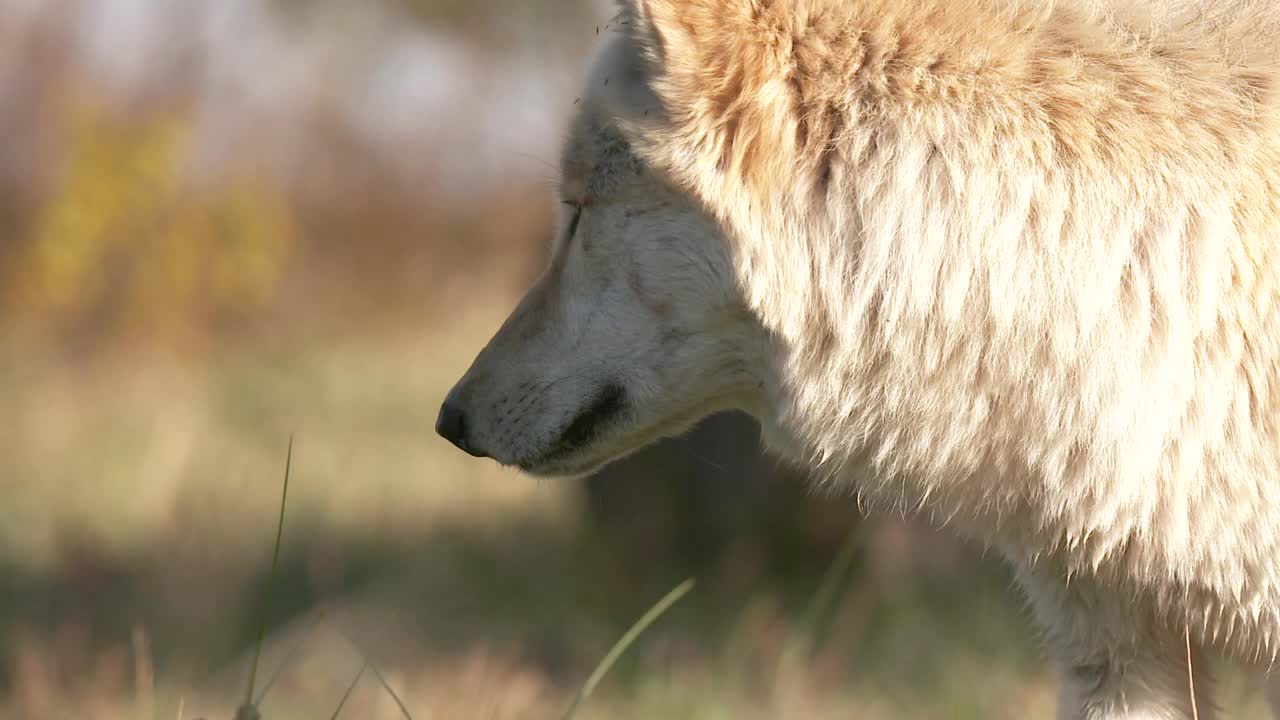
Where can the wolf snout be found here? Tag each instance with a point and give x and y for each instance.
(451, 425)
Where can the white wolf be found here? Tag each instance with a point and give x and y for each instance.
(1011, 264)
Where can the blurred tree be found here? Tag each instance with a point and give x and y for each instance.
(545, 15)
(472, 17)
(127, 243)
(463, 13)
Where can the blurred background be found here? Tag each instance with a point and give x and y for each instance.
(226, 223)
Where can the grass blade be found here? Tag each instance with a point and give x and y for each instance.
(377, 673)
(625, 641)
(275, 561)
(288, 657)
(387, 686)
(833, 579)
(347, 694)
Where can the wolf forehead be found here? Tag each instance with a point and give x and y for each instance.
(596, 160)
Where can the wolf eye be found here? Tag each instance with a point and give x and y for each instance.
(577, 215)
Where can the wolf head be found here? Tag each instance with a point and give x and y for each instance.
(713, 146)
(636, 329)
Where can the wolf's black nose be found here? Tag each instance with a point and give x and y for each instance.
(452, 426)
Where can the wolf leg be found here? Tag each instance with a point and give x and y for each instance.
(1115, 660)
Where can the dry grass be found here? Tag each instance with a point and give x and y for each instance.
(143, 500)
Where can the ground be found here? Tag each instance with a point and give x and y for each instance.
(141, 506)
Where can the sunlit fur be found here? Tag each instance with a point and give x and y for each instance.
(1012, 265)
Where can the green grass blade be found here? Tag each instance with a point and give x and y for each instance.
(824, 599)
(271, 579)
(624, 642)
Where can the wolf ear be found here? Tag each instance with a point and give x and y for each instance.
(656, 40)
(672, 35)
(683, 52)
(705, 73)
(653, 25)
(623, 73)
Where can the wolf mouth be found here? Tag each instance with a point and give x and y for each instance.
(586, 426)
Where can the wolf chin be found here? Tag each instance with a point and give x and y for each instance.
(1011, 265)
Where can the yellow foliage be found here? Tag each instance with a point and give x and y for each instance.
(127, 236)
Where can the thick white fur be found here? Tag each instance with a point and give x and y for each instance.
(1013, 265)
